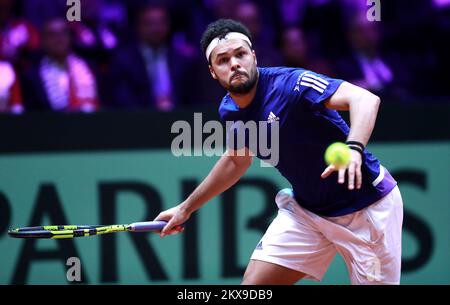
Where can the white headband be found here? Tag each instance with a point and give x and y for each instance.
(217, 40)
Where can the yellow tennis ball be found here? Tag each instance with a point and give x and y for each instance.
(338, 154)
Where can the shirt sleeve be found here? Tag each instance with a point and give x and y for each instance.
(312, 87)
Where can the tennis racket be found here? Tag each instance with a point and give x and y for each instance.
(71, 231)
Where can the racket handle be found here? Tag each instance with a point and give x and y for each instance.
(148, 226)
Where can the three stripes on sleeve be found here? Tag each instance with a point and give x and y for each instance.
(317, 83)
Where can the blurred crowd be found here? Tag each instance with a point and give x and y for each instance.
(139, 54)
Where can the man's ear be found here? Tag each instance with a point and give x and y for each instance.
(254, 56)
(211, 70)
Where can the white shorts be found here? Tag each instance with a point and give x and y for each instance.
(369, 240)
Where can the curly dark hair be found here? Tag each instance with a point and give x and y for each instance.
(221, 28)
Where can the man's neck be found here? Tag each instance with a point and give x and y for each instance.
(61, 61)
(244, 100)
(153, 46)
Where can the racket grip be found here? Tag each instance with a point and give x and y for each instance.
(148, 226)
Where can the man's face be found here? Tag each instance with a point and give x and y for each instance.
(56, 38)
(294, 46)
(233, 64)
(248, 13)
(154, 26)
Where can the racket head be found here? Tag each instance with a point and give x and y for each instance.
(18, 233)
(72, 231)
(66, 231)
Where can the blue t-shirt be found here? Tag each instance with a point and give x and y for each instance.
(294, 98)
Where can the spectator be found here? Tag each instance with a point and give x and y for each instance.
(221, 8)
(292, 12)
(206, 11)
(152, 72)
(18, 37)
(441, 49)
(10, 94)
(94, 38)
(296, 52)
(249, 14)
(366, 66)
(323, 19)
(61, 81)
(39, 11)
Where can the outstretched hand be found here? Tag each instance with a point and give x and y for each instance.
(175, 218)
(353, 169)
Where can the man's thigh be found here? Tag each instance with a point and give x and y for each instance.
(264, 273)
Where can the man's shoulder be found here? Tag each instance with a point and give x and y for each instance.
(279, 71)
(280, 78)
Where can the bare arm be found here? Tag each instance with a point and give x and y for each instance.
(363, 107)
(225, 173)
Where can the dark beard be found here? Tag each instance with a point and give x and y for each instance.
(245, 87)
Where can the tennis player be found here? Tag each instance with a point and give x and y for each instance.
(355, 211)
